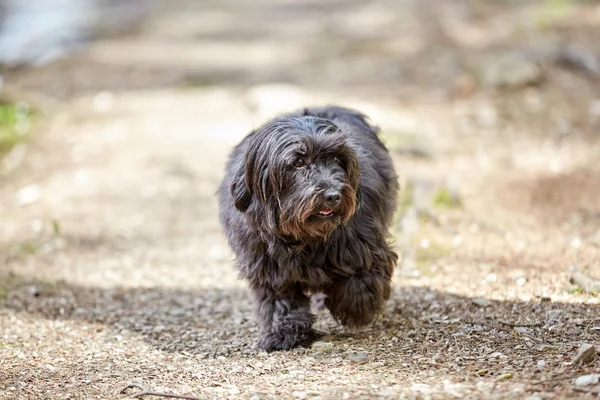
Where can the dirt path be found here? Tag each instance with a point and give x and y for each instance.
(114, 269)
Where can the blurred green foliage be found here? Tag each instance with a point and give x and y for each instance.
(10, 116)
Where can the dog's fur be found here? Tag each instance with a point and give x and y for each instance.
(269, 206)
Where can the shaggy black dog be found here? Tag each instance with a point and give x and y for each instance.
(306, 204)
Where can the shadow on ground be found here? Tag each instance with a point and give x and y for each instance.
(421, 328)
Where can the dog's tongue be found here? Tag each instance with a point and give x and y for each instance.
(326, 211)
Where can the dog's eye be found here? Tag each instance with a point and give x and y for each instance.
(299, 162)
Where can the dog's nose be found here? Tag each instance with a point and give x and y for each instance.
(332, 197)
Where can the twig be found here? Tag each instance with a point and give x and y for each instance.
(521, 325)
(146, 392)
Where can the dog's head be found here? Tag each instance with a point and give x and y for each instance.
(300, 176)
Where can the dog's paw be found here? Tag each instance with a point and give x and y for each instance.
(272, 341)
(357, 300)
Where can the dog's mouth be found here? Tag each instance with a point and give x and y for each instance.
(326, 213)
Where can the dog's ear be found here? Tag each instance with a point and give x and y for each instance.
(242, 196)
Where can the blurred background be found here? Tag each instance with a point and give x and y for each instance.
(116, 118)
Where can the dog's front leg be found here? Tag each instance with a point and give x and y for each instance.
(285, 318)
(357, 299)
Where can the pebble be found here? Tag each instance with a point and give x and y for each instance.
(481, 302)
(586, 354)
(579, 58)
(421, 387)
(534, 397)
(322, 346)
(554, 315)
(504, 377)
(513, 73)
(28, 195)
(299, 395)
(586, 380)
(357, 357)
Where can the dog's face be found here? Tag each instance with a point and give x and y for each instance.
(300, 176)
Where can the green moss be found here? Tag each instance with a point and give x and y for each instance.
(56, 227)
(575, 290)
(443, 198)
(549, 12)
(10, 115)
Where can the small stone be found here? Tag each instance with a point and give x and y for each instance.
(586, 380)
(533, 397)
(481, 302)
(541, 364)
(28, 195)
(554, 315)
(421, 387)
(346, 396)
(576, 57)
(504, 377)
(177, 312)
(322, 347)
(357, 357)
(34, 291)
(521, 281)
(514, 73)
(299, 395)
(586, 354)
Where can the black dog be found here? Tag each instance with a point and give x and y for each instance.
(306, 204)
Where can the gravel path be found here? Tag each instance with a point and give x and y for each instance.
(114, 269)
